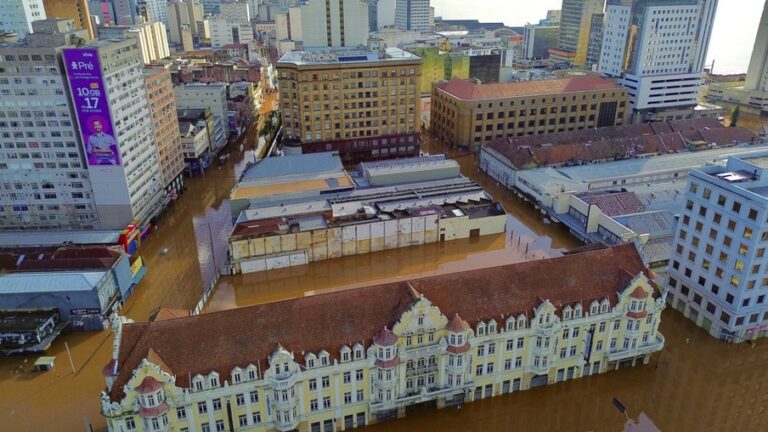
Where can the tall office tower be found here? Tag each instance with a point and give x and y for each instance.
(334, 23)
(232, 25)
(539, 38)
(657, 49)
(412, 15)
(17, 16)
(717, 274)
(595, 41)
(335, 102)
(210, 7)
(385, 14)
(46, 183)
(575, 25)
(156, 11)
(182, 22)
(76, 10)
(757, 73)
(104, 13)
(165, 125)
(114, 117)
(373, 11)
(152, 38)
(126, 11)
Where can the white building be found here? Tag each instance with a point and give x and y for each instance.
(41, 159)
(127, 186)
(385, 14)
(412, 15)
(232, 25)
(335, 23)
(717, 275)
(152, 37)
(235, 11)
(212, 96)
(657, 49)
(16, 16)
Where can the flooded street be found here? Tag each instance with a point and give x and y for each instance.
(695, 384)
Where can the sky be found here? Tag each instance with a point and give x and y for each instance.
(731, 45)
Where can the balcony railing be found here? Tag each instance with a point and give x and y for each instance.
(420, 370)
(648, 348)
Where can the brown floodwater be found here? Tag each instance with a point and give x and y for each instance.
(696, 384)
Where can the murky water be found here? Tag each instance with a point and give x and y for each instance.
(696, 384)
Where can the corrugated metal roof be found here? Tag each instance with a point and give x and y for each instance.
(51, 238)
(311, 163)
(22, 283)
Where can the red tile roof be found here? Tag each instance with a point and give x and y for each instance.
(458, 349)
(638, 293)
(59, 258)
(615, 142)
(220, 341)
(148, 385)
(385, 337)
(457, 325)
(470, 90)
(614, 204)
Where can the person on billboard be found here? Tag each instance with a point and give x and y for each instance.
(101, 146)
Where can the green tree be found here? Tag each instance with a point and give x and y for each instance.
(735, 116)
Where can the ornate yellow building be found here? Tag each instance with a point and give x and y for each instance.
(345, 359)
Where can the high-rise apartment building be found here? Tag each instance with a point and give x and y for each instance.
(575, 25)
(76, 10)
(126, 11)
(152, 38)
(165, 125)
(232, 25)
(155, 11)
(16, 16)
(385, 14)
(335, 23)
(112, 110)
(717, 275)
(182, 22)
(657, 49)
(42, 162)
(363, 104)
(413, 15)
(210, 7)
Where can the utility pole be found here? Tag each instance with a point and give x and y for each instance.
(69, 354)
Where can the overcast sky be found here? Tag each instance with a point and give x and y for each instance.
(732, 39)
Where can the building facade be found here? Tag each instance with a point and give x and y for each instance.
(363, 104)
(17, 16)
(182, 22)
(575, 26)
(335, 23)
(539, 38)
(431, 342)
(717, 276)
(152, 38)
(165, 125)
(228, 32)
(76, 10)
(657, 49)
(212, 97)
(413, 15)
(116, 130)
(469, 115)
(42, 165)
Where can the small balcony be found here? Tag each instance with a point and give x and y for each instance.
(648, 348)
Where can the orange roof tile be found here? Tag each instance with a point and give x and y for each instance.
(470, 90)
(457, 325)
(385, 337)
(220, 341)
(638, 293)
(148, 385)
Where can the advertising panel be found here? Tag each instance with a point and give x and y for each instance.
(90, 100)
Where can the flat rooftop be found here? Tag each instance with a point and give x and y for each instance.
(326, 56)
(470, 90)
(59, 237)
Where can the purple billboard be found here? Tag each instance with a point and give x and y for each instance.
(90, 99)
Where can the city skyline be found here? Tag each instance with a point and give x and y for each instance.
(731, 45)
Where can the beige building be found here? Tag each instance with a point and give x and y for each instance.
(152, 38)
(365, 105)
(468, 115)
(165, 125)
(76, 10)
(349, 358)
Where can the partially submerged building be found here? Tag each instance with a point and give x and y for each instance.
(298, 209)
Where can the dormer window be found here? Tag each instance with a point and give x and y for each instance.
(421, 319)
(345, 356)
(577, 311)
(199, 383)
(521, 322)
(604, 306)
(492, 327)
(510, 324)
(236, 377)
(324, 359)
(214, 381)
(358, 352)
(251, 373)
(567, 313)
(481, 329)
(593, 309)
